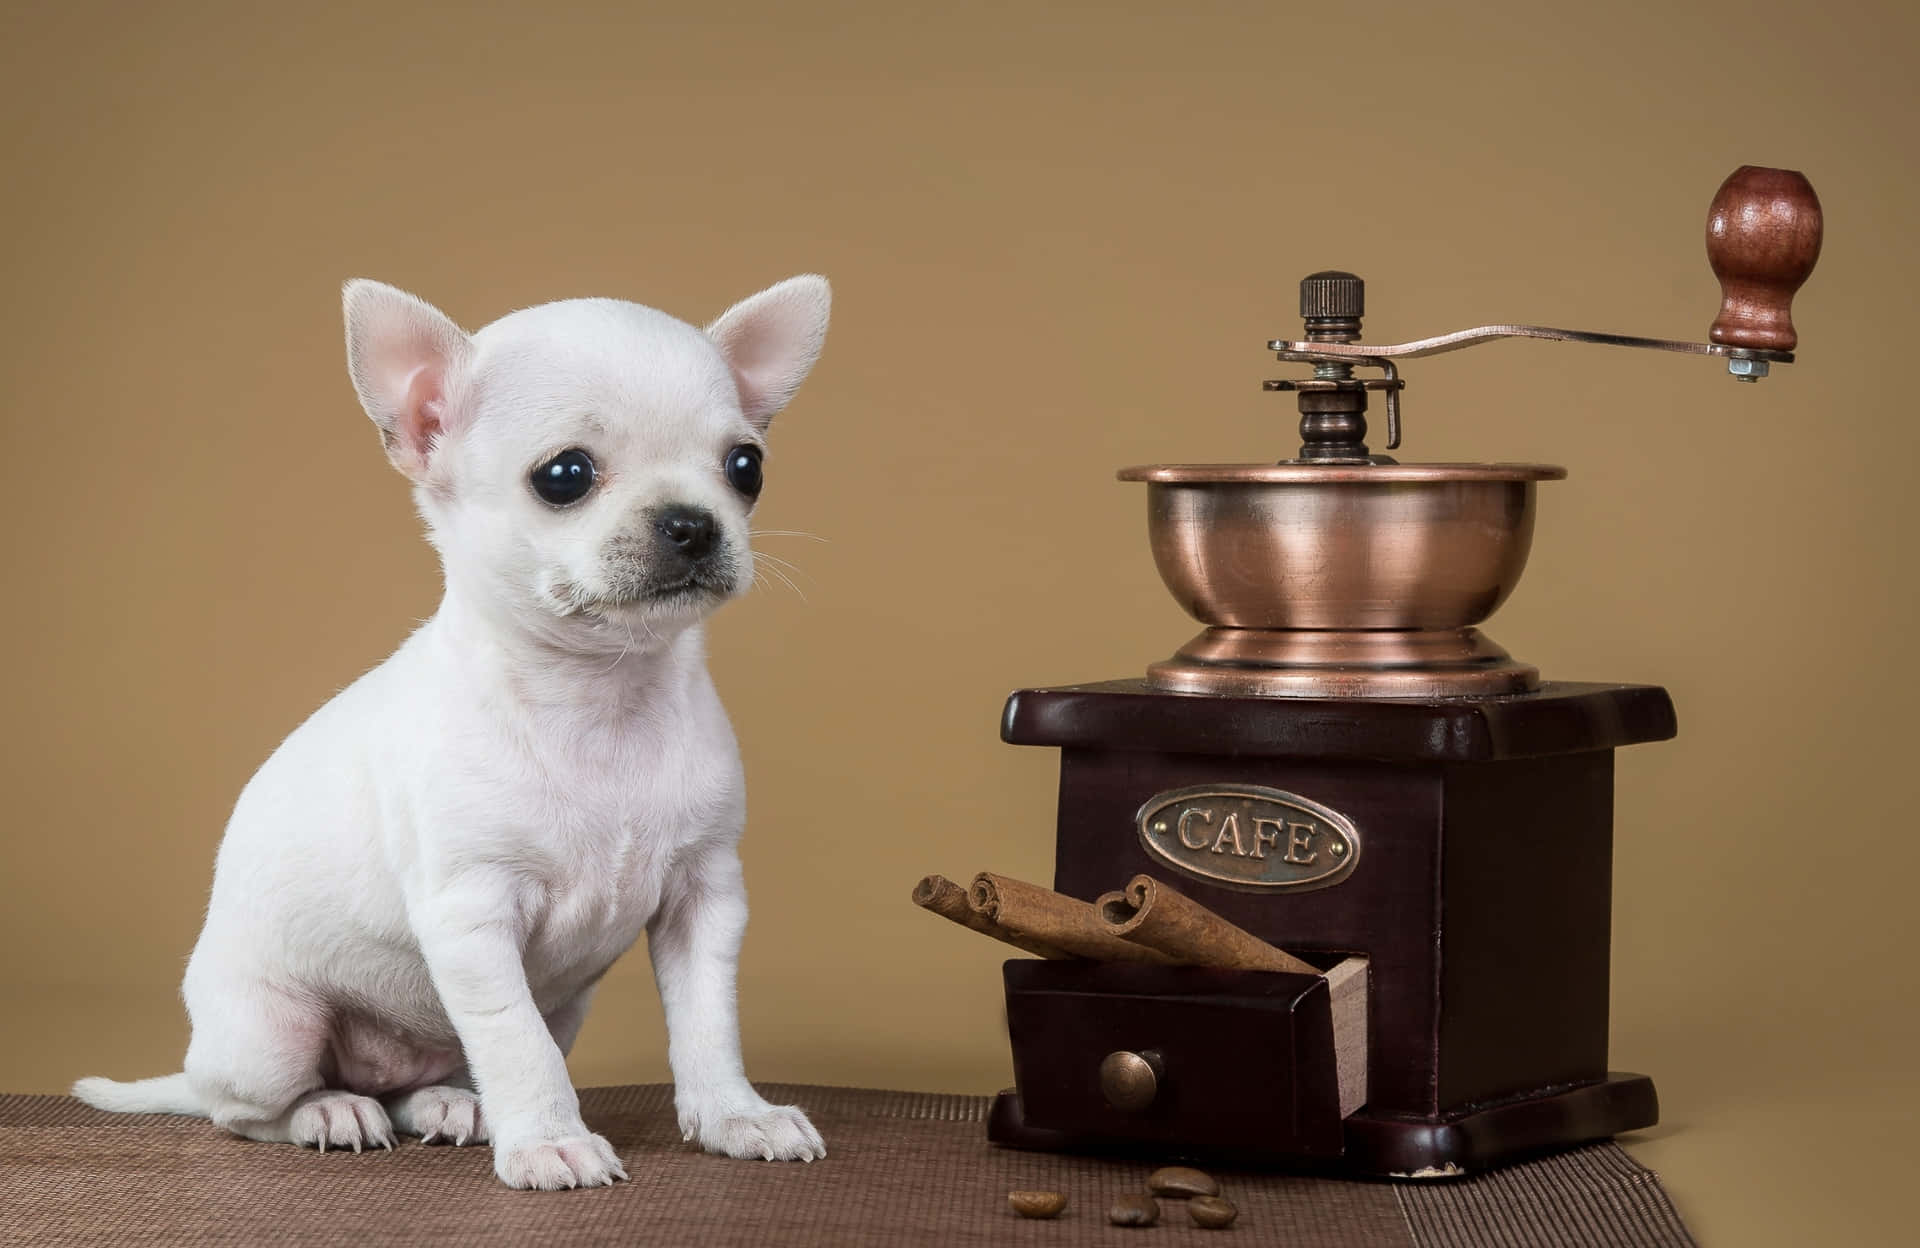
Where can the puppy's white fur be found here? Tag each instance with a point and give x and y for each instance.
(419, 890)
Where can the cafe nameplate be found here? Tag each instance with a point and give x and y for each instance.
(1250, 837)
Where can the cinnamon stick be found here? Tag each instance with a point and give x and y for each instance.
(948, 900)
(1065, 923)
(1150, 914)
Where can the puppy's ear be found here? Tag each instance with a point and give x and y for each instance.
(772, 340)
(407, 361)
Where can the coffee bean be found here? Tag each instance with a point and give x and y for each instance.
(1037, 1204)
(1134, 1211)
(1212, 1212)
(1182, 1181)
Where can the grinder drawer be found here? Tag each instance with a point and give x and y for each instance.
(1232, 1061)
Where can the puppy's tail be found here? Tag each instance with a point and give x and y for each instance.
(167, 1094)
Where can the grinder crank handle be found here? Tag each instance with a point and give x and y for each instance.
(1763, 236)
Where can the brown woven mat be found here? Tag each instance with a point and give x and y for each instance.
(903, 1168)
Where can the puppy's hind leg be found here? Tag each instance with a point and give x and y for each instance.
(255, 1062)
(444, 1113)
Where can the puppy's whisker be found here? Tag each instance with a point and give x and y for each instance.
(778, 562)
(812, 537)
(783, 578)
(628, 629)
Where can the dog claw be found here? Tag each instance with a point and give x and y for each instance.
(332, 1120)
(583, 1160)
(442, 1114)
(760, 1131)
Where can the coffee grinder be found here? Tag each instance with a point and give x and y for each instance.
(1344, 766)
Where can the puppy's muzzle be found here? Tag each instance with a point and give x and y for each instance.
(675, 554)
(687, 551)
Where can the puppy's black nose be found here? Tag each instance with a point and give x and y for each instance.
(687, 530)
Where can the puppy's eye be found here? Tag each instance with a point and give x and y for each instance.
(743, 470)
(565, 478)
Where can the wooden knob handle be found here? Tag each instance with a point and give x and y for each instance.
(1763, 235)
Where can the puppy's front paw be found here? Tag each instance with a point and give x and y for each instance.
(334, 1119)
(757, 1130)
(549, 1165)
(441, 1113)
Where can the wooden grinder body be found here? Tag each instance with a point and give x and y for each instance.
(1481, 898)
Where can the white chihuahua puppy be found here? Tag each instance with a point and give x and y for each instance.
(419, 890)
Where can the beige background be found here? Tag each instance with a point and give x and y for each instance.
(1059, 236)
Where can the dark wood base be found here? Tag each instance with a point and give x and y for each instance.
(1401, 1148)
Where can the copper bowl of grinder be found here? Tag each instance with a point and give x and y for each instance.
(1341, 580)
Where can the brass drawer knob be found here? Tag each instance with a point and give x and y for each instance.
(1130, 1081)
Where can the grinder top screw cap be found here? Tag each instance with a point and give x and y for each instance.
(1332, 295)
